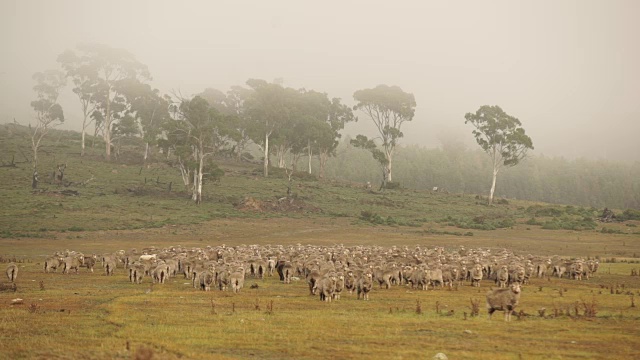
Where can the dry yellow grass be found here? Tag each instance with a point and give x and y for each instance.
(93, 316)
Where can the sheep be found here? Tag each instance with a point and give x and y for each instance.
(148, 257)
(339, 286)
(502, 276)
(90, 262)
(72, 262)
(206, 278)
(365, 283)
(271, 265)
(109, 267)
(287, 272)
(517, 274)
(52, 264)
(503, 299)
(312, 279)
(327, 287)
(350, 282)
(12, 272)
(237, 280)
(159, 274)
(136, 273)
(576, 270)
(476, 275)
(420, 278)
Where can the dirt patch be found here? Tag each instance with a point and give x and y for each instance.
(285, 205)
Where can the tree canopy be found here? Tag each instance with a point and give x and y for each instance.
(501, 136)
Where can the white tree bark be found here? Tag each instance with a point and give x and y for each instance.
(266, 154)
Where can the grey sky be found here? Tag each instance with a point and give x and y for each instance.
(569, 70)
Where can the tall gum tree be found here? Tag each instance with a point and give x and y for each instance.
(84, 81)
(195, 135)
(389, 108)
(501, 136)
(48, 112)
(105, 68)
(268, 108)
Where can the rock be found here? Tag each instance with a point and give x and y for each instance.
(440, 356)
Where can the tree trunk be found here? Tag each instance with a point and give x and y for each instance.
(388, 166)
(281, 150)
(496, 169)
(493, 186)
(83, 132)
(198, 185)
(266, 155)
(310, 154)
(146, 152)
(324, 156)
(107, 128)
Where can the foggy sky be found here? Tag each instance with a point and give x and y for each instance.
(569, 70)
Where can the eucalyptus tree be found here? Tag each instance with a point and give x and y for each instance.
(318, 129)
(105, 68)
(329, 135)
(235, 104)
(232, 103)
(268, 109)
(365, 143)
(501, 136)
(149, 109)
(84, 80)
(48, 111)
(194, 135)
(389, 108)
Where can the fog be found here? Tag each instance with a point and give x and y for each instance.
(569, 70)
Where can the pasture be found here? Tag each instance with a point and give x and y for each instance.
(106, 207)
(89, 315)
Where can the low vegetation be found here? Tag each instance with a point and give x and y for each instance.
(103, 207)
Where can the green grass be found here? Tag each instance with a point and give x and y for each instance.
(177, 321)
(128, 205)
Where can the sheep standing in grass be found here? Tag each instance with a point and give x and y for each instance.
(12, 272)
(365, 283)
(503, 299)
(237, 279)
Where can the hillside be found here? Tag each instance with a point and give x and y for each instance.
(125, 194)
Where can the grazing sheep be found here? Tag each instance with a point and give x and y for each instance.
(476, 275)
(339, 286)
(505, 299)
(312, 279)
(517, 274)
(109, 267)
(52, 264)
(350, 282)
(72, 263)
(136, 273)
(159, 274)
(12, 272)
(327, 287)
(271, 265)
(287, 272)
(420, 278)
(502, 276)
(206, 278)
(576, 270)
(365, 283)
(90, 262)
(237, 280)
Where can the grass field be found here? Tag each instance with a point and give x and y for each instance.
(90, 315)
(127, 205)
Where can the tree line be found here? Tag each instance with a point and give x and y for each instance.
(456, 169)
(287, 124)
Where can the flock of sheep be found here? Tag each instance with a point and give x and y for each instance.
(331, 270)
